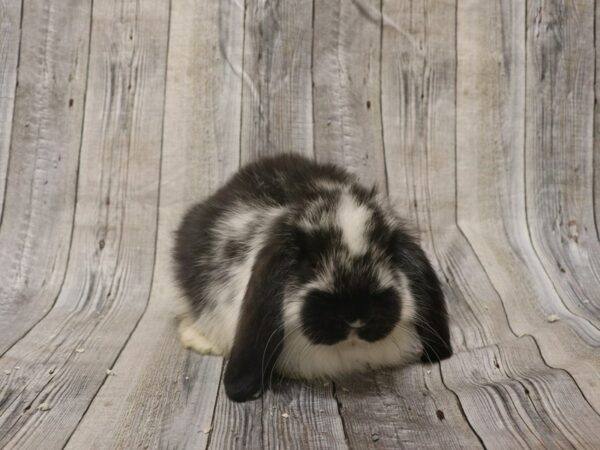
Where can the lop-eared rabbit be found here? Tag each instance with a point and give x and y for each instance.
(295, 267)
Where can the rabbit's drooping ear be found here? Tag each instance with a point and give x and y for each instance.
(259, 333)
(431, 319)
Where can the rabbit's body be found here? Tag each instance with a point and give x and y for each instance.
(295, 266)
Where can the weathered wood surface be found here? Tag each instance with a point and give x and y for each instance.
(478, 119)
(40, 194)
(161, 395)
(62, 360)
(10, 40)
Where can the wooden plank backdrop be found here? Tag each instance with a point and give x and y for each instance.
(478, 119)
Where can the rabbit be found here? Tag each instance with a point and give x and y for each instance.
(295, 267)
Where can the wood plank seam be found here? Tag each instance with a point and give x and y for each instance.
(14, 101)
(339, 411)
(243, 77)
(461, 408)
(595, 167)
(312, 77)
(214, 409)
(385, 166)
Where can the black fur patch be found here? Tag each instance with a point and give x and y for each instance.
(259, 332)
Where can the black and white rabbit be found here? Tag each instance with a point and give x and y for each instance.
(295, 267)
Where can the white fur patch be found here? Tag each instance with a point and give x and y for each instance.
(302, 359)
(191, 338)
(218, 324)
(353, 219)
(330, 185)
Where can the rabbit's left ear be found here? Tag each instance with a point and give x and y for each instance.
(259, 334)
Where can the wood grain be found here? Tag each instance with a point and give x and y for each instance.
(10, 40)
(596, 131)
(403, 408)
(162, 395)
(42, 171)
(277, 94)
(63, 359)
(493, 214)
(479, 118)
(299, 415)
(420, 141)
(347, 70)
(513, 403)
(559, 150)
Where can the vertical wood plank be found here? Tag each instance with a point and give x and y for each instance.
(491, 206)
(277, 113)
(347, 70)
(162, 395)
(10, 39)
(63, 359)
(596, 148)
(42, 172)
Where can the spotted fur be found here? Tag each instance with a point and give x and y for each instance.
(296, 267)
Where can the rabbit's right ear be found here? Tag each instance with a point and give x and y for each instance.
(432, 317)
(259, 334)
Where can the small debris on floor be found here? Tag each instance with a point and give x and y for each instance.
(285, 415)
(17, 368)
(553, 318)
(428, 371)
(345, 389)
(7, 372)
(43, 407)
(80, 350)
(374, 437)
(51, 371)
(440, 414)
(206, 430)
(110, 372)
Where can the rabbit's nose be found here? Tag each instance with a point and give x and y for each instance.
(356, 324)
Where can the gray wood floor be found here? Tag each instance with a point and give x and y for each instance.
(477, 117)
